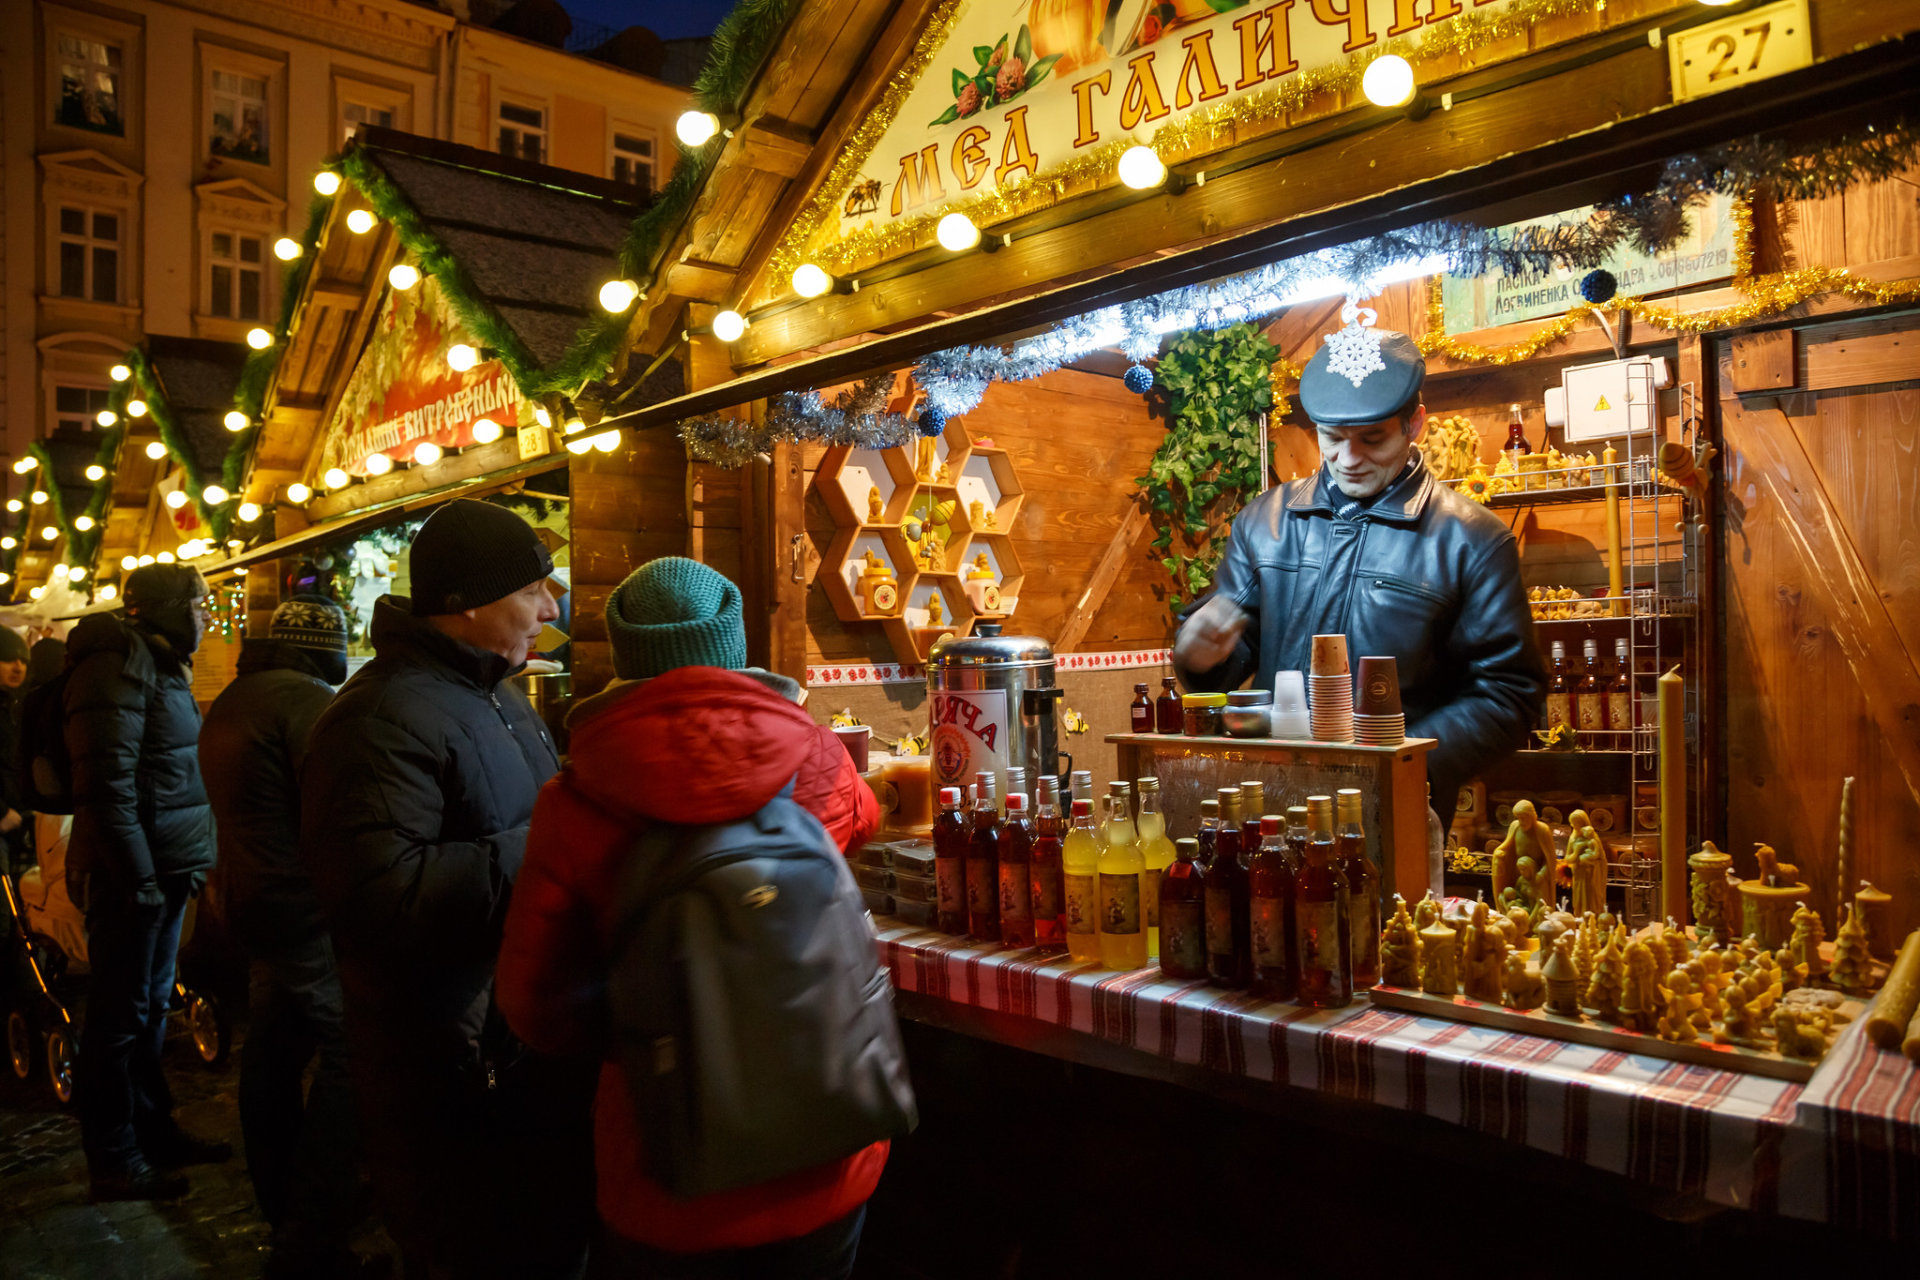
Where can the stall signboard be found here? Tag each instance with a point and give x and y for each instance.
(1496, 298)
(969, 734)
(1021, 88)
(403, 393)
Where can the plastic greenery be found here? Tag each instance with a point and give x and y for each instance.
(1217, 383)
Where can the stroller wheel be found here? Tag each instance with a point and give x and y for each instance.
(212, 1037)
(19, 1044)
(60, 1066)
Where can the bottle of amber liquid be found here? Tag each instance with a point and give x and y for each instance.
(1229, 942)
(1141, 710)
(1123, 916)
(1296, 837)
(1167, 717)
(1590, 699)
(1253, 807)
(1049, 889)
(1183, 913)
(1559, 690)
(1620, 698)
(1320, 911)
(1209, 831)
(950, 848)
(1363, 889)
(1516, 444)
(983, 863)
(1156, 853)
(1080, 873)
(1016, 874)
(1270, 907)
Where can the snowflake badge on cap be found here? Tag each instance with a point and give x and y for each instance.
(1354, 351)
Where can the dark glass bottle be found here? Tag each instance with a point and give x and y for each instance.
(1516, 436)
(983, 863)
(1167, 711)
(1209, 830)
(1183, 913)
(1363, 890)
(1229, 941)
(1141, 710)
(1559, 690)
(1016, 874)
(1320, 913)
(1253, 807)
(1590, 699)
(1620, 698)
(950, 863)
(1270, 908)
(1049, 886)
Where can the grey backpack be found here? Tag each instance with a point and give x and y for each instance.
(751, 1013)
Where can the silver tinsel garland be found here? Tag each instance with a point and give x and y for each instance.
(857, 417)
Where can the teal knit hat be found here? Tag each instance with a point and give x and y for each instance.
(675, 612)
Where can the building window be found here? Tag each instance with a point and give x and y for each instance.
(355, 114)
(89, 254)
(239, 130)
(89, 85)
(75, 408)
(233, 276)
(523, 132)
(633, 160)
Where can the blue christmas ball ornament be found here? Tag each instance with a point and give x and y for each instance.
(1598, 286)
(932, 421)
(1138, 379)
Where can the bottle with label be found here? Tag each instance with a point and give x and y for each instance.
(950, 863)
(1123, 916)
(1141, 710)
(1183, 914)
(1016, 874)
(1320, 915)
(1156, 853)
(1049, 889)
(1229, 929)
(1253, 807)
(1080, 873)
(1167, 710)
(1516, 437)
(1620, 696)
(1209, 830)
(1559, 690)
(1270, 910)
(983, 863)
(1363, 889)
(1589, 699)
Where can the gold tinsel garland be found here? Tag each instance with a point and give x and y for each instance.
(1195, 133)
(1285, 377)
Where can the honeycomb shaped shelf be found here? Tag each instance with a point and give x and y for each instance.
(882, 500)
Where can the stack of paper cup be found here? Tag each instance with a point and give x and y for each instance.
(1379, 721)
(1290, 719)
(1332, 689)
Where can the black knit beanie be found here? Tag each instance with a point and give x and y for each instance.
(470, 553)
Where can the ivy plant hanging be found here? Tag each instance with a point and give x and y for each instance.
(1216, 385)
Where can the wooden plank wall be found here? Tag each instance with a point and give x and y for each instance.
(629, 506)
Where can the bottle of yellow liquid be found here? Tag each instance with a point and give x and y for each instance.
(1080, 871)
(1123, 916)
(1156, 852)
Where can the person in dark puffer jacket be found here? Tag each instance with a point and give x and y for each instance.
(419, 784)
(142, 847)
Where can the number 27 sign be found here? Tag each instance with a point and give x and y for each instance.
(1740, 49)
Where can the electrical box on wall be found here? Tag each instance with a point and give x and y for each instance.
(1607, 400)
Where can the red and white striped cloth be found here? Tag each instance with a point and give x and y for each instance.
(1844, 1148)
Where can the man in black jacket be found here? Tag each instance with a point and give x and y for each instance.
(142, 846)
(419, 785)
(300, 1151)
(1373, 547)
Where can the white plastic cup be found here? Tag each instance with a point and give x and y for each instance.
(1289, 693)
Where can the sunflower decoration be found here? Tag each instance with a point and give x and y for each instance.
(1558, 738)
(1478, 485)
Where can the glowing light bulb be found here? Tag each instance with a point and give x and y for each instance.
(298, 493)
(696, 128)
(361, 221)
(606, 441)
(156, 450)
(214, 495)
(248, 512)
(810, 281)
(5, 578)
(26, 463)
(486, 431)
(580, 444)
(326, 182)
(1388, 81)
(378, 464)
(426, 453)
(96, 472)
(259, 339)
(403, 276)
(59, 571)
(1141, 168)
(729, 325)
(78, 573)
(235, 420)
(136, 408)
(617, 295)
(129, 563)
(48, 533)
(336, 478)
(177, 499)
(8, 543)
(573, 427)
(37, 497)
(36, 593)
(83, 523)
(462, 357)
(106, 417)
(14, 504)
(120, 373)
(109, 592)
(147, 560)
(542, 417)
(956, 233)
(286, 249)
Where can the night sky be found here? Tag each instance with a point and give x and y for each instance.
(669, 19)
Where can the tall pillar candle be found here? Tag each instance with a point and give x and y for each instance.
(1616, 572)
(1844, 850)
(1673, 795)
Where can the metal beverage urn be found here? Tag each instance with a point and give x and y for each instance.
(991, 704)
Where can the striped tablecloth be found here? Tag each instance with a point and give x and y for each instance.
(1844, 1148)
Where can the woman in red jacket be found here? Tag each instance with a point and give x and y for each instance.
(688, 734)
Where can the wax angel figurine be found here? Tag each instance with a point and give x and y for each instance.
(1679, 947)
(1640, 1005)
(1679, 1021)
(1482, 956)
(1738, 1024)
(1586, 862)
(1523, 986)
(1400, 948)
(1529, 840)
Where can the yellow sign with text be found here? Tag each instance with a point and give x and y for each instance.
(1740, 49)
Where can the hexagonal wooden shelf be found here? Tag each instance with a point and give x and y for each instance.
(913, 483)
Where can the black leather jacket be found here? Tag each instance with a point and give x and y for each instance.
(1424, 575)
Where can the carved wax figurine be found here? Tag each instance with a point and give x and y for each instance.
(1808, 934)
(1609, 973)
(1586, 950)
(1426, 912)
(1527, 837)
(1737, 1022)
(977, 513)
(1438, 972)
(1682, 1005)
(1773, 872)
(1482, 955)
(1523, 986)
(1793, 972)
(1800, 1033)
(1712, 893)
(1586, 861)
(1679, 946)
(875, 567)
(935, 614)
(1562, 979)
(1520, 925)
(875, 509)
(1761, 984)
(1852, 967)
(1400, 949)
(929, 456)
(981, 569)
(1640, 995)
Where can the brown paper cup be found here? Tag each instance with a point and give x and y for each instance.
(1379, 688)
(1330, 655)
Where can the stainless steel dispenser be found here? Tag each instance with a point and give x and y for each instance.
(991, 704)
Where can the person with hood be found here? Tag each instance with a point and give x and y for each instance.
(142, 846)
(299, 1140)
(686, 733)
(13, 676)
(418, 786)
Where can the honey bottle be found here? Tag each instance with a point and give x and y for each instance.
(1049, 889)
(1363, 889)
(1016, 874)
(950, 845)
(1140, 711)
(1229, 962)
(1270, 909)
(1209, 830)
(983, 863)
(1320, 914)
(1168, 716)
(1183, 913)
(1080, 872)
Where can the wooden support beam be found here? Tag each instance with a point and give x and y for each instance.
(405, 483)
(1105, 574)
(779, 147)
(700, 281)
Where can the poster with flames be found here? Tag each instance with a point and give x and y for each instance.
(402, 392)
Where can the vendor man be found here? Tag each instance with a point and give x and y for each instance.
(1373, 546)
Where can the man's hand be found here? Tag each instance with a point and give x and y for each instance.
(1208, 638)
